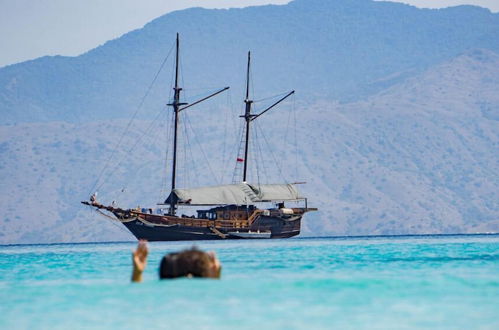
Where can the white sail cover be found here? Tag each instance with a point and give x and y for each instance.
(239, 194)
(276, 192)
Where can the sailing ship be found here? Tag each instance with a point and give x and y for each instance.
(233, 210)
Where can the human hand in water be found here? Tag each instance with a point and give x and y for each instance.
(139, 259)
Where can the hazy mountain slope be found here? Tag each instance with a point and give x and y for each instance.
(420, 157)
(326, 49)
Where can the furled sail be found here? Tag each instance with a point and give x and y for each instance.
(275, 192)
(239, 194)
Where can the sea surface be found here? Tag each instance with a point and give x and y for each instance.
(440, 282)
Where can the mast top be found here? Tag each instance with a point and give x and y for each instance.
(247, 100)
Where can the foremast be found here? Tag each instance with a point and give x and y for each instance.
(176, 108)
(176, 104)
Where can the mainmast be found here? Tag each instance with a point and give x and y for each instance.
(176, 106)
(249, 117)
(176, 109)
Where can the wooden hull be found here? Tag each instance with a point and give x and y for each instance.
(278, 223)
(279, 228)
(174, 233)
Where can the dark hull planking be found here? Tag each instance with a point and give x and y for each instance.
(279, 227)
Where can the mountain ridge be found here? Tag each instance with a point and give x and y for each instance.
(332, 50)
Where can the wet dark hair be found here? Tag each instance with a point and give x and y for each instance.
(192, 262)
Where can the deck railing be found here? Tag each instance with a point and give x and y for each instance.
(193, 222)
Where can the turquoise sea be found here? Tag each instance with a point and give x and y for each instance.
(441, 282)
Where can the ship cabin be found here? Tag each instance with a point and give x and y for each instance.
(227, 212)
(235, 202)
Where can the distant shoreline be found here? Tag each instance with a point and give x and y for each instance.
(296, 238)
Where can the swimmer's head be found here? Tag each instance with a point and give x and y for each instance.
(190, 263)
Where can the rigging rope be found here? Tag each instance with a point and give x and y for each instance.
(270, 97)
(255, 159)
(238, 153)
(294, 142)
(224, 143)
(130, 122)
(113, 221)
(230, 119)
(272, 154)
(295, 137)
(144, 134)
(264, 170)
(185, 151)
(202, 150)
(133, 147)
(168, 138)
(182, 80)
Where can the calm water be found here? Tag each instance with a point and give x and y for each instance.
(386, 283)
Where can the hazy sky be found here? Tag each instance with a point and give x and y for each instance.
(34, 28)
